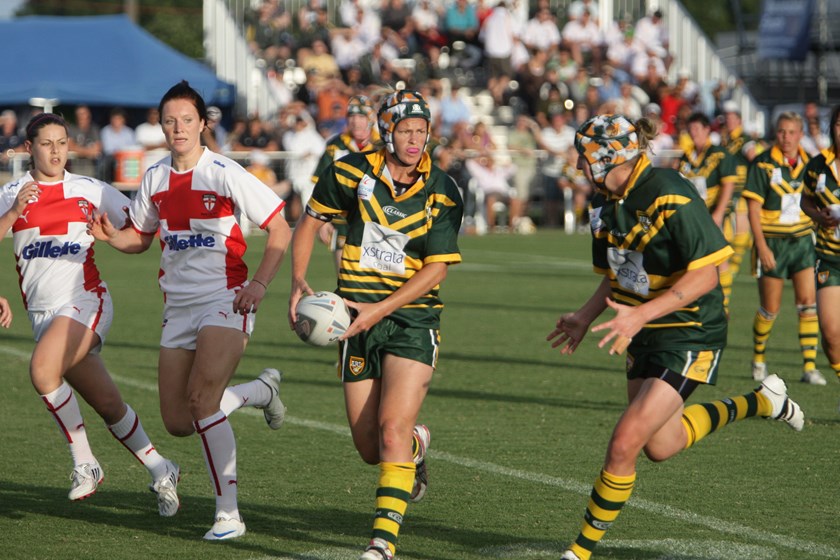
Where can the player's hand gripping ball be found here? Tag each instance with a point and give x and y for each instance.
(321, 318)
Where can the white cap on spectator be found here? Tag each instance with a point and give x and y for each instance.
(214, 113)
(730, 106)
(653, 108)
(684, 73)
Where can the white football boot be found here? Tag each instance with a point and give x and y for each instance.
(759, 371)
(166, 490)
(225, 528)
(784, 408)
(86, 479)
(275, 410)
(421, 475)
(377, 550)
(813, 377)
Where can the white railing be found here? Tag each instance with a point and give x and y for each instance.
(227, 51)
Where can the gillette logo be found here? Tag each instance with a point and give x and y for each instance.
(46, 249)
(176, 243)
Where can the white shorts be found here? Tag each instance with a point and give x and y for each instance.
(181, 324)
(95, 310)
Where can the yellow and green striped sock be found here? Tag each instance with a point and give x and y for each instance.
(395, 483)
(609, 493)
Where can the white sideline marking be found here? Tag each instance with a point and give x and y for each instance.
(719, 525)
(672, 549)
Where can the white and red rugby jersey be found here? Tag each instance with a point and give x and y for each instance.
(198, 213)
(53, 251)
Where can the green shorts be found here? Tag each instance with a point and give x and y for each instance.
(793, 254)
(361, 355)
(698, 365)
(827, 273)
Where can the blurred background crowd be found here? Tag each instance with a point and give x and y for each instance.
(507, 86)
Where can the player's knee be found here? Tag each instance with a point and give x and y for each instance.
(624, 449)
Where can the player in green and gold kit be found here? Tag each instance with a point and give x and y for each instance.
(359, 136)
(403, 217)
(713, 173)
(821, 201)
(784, 247)
(658, 250)
(742, 147)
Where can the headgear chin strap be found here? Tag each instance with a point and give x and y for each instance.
(605, 142)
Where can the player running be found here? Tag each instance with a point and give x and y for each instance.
(70, 307)
(403, 216)
(658, 250)
(195, 198)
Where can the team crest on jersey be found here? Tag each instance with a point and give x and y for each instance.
(84, 206)
(822, 277)
(209, 201)
(357, 365)
(644, 220)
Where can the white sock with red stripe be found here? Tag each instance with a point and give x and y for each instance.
(219, 448)
(253, 393)
(64, 407)
(129, 432)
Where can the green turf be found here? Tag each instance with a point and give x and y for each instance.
(519, 434)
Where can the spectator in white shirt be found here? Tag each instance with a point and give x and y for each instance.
(498, 35)
(541, 32)
(583, 39)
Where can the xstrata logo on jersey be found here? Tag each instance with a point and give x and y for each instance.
(176, 243)
(47, 250)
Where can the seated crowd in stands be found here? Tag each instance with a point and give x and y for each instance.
(551, 70)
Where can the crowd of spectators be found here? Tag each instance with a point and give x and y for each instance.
(551, 70)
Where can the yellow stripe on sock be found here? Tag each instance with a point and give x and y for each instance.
(809, 329)
(395, 483)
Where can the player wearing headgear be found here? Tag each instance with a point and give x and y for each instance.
(403, 216)
(658, 250)
(359, 136)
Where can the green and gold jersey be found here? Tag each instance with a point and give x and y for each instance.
(337, 147)
(773, 182)
(707, 170)
(736, 144)
(646, 241)
(390, 237)
(823, 185)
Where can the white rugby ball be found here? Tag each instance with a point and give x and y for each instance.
(834, 210)
(321, 318)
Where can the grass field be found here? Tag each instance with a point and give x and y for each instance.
(519, 434)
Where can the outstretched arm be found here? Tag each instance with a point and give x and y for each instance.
(571, 327)
(629, 320)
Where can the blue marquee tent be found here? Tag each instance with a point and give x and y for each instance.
(100, 60)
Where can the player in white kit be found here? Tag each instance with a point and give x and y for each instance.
(194, 199)
(70, 307)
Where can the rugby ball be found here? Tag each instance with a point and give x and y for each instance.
(321, 318)
(834, 210)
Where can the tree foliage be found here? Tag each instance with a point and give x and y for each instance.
(175, 22)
